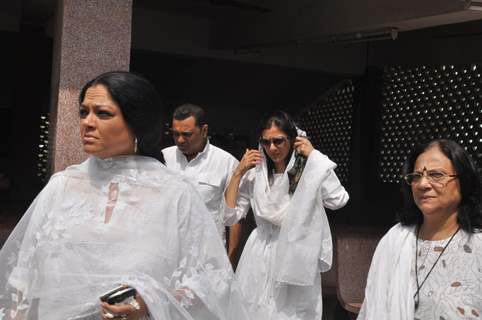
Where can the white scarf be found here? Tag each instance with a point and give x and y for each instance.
(389, 291)
(270, 201)
(305, 235)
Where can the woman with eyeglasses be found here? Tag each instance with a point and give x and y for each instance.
(287, 183)
(429, 266)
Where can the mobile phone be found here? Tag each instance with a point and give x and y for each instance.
(118, 294)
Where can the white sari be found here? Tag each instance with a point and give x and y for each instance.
(125, 220)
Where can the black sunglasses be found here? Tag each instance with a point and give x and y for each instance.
(276, 141)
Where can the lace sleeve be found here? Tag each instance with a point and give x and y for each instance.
(203, 281)
(18, 272)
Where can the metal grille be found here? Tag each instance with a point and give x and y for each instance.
(329, 126)
(425, 103)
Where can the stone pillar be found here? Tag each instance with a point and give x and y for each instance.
(91, 37)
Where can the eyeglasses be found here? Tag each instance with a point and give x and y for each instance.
(276, 141)
(433, 176)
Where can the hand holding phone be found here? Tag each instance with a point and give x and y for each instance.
(303, 146)
(118, 294)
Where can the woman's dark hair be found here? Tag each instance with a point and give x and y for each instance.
(469, 215)
(285, 123)
(140, 105)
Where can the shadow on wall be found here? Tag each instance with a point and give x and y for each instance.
(236, 95)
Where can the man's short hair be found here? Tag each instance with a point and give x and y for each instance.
(187, 110)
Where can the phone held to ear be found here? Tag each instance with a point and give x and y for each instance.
(118, 294)
(294, 174)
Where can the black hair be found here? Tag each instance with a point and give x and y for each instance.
(140, 105)
(469, 213)
(285, 123)
(187, 110)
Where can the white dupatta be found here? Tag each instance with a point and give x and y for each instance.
(389, 291)
(305, 236)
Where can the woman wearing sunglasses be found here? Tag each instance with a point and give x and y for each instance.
(429, 266)
(279, 270)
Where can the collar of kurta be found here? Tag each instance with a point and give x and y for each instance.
(201, 154)
(126, 165)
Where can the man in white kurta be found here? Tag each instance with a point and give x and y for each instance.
(208, 167)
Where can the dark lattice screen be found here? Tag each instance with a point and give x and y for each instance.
(425, 103)
(43, 151)
(329, 126)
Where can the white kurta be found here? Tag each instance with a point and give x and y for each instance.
(209, 172)
(279, 270)
(63, 253)
(453, 289)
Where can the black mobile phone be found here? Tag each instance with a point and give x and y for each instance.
(118, 294)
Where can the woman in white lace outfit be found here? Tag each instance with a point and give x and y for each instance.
(120, 217)
(429, 266)
(279, 270)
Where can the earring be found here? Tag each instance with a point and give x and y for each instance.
(135, 145)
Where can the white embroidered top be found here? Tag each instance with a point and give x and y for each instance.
(125, 220)
(452, 291)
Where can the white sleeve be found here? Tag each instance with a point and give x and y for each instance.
(233, 215)
(333, 194)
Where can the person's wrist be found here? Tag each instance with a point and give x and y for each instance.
(239, 172)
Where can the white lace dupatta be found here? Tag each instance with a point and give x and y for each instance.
(160, 240)
(305, 244)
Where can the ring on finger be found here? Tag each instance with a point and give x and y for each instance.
(135, 304)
